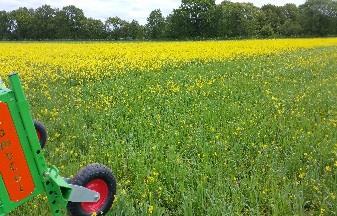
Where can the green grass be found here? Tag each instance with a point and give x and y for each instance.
(255, 136)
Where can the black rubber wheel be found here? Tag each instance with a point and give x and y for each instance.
(99, 178)
(41, 133)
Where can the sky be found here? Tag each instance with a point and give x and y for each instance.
(125, 9)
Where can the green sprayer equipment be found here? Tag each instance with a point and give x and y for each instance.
(25, 174)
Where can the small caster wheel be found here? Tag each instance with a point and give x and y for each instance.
(98, 178)
(41, 133)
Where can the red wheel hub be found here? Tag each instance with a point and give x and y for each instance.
(39, 135)
(102, 188)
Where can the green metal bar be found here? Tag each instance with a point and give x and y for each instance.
(9, 205)
(47, 180)
(27, 122)
(6, 204)
(56, 188)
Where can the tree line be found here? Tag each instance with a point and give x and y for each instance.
(194, 19)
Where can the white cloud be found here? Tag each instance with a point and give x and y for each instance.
(126, 9)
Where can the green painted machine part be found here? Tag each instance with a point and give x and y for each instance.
(25, 174)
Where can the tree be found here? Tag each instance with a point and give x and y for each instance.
(92, 29)
(21, 21)
(194, 19)
(198, 16)
(44, 25)
(155, 27)
(134, 30)
(4, 25)
(291, 25)
(267, 31)
(238, 20)
(178, 26)
(319, 17)
(115, 28)
(273, 16)
(69, 21)
(226, 20)
(248, 24)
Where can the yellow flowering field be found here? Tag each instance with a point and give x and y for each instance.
(92, 60)
(190, 128)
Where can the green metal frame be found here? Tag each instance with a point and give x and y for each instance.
(46, 179)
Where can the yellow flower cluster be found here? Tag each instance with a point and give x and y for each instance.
(97, 59)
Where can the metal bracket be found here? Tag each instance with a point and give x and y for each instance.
(82, 194)
(58, 191)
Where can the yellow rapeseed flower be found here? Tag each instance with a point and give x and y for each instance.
(104, 59)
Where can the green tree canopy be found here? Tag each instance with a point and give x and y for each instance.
(155, 27)
(193, 19)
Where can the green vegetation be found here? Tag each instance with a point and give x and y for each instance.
(250, 136)
(194, 19)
